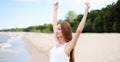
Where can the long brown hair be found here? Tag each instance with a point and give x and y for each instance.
(67, 33)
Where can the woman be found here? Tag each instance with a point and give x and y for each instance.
(64, 48)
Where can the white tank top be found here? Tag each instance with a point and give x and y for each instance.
(57, 54)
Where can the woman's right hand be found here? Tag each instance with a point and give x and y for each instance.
(87, 5)
(56, 5)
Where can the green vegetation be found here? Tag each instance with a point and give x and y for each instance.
(99, 21)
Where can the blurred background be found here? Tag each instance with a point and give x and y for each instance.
(37, 15)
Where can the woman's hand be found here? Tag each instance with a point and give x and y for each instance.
(87, 5)
(56, 5)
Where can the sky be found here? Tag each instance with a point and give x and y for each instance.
(25, 13)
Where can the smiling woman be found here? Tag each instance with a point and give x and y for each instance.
(63, 50)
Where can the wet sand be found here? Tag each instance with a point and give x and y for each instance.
(91, 47)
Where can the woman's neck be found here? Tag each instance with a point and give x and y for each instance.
(61, 41)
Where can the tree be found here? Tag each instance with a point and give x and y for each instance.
(70, 15)
(116, 26)
(88, 26)
(98, 25)
(47, 28)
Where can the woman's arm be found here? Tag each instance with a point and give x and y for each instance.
(55, 17)
(72, 43)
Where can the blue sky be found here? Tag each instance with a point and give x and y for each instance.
(24, 13)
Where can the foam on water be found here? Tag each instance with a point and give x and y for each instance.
(12, 49)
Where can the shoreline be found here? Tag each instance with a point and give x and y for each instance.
(38, 49)
(91, 47)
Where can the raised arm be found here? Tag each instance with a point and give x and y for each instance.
(82, 23)
(55, 17)
(72, 43)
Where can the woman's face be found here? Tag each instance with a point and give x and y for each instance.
(59, 31)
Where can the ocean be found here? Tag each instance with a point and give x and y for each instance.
(12, 49)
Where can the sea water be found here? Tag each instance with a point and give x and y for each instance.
(12, 49)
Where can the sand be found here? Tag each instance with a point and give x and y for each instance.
(91, 47)
(39, 46)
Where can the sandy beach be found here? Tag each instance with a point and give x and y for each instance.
(91, 47)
